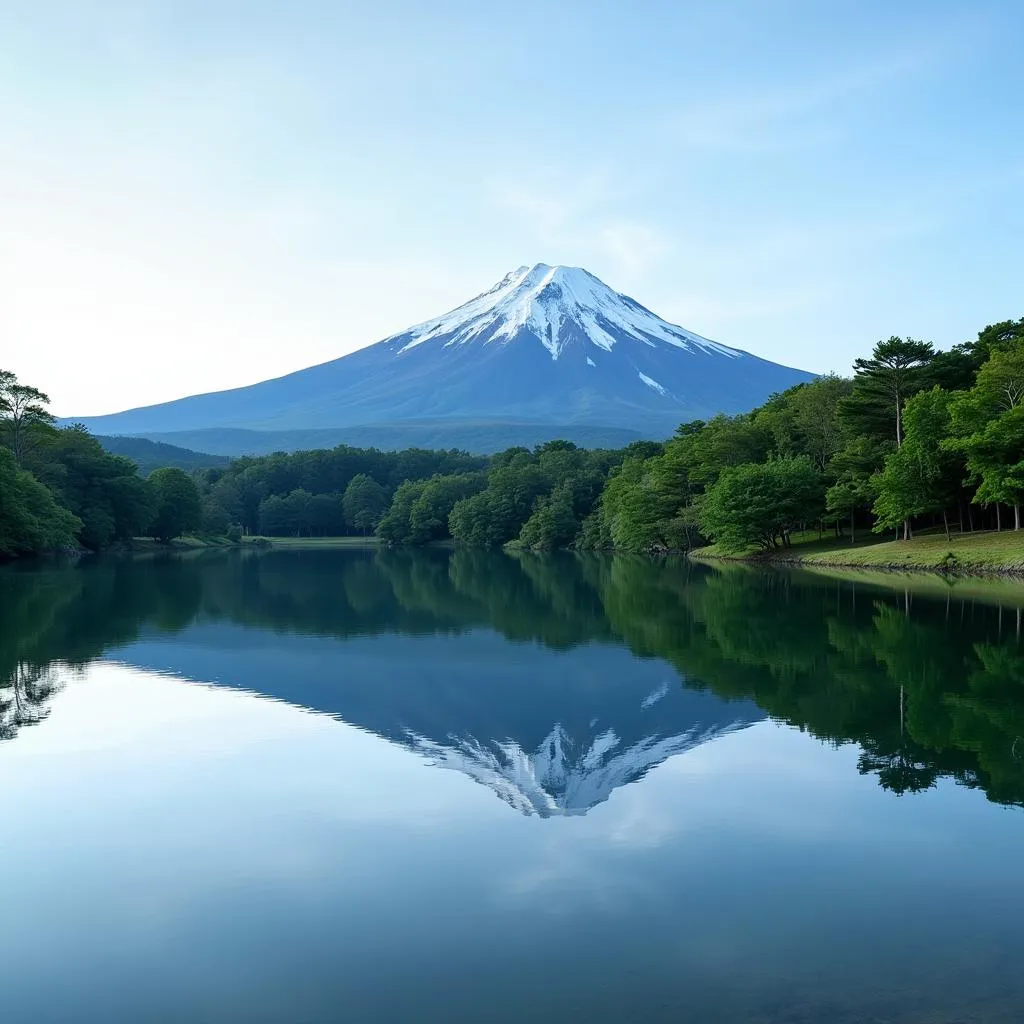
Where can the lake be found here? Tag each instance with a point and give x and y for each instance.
(360, 785)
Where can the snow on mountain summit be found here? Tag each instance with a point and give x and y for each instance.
(556, 304)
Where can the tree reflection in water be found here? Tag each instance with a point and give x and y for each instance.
(927, 679)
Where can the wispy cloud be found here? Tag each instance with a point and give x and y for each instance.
(800, 114)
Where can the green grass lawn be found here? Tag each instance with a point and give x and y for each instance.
(968, 551)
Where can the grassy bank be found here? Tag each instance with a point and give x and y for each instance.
(989, 552)
(145, 544)
(311, 542)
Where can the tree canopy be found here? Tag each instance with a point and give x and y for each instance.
(176, 505)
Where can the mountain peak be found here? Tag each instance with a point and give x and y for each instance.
(557, 305)
(540, 276)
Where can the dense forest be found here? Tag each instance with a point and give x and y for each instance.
(59, 488)
(329, 492)
(914, 438)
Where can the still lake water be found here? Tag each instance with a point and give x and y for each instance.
(319, 786)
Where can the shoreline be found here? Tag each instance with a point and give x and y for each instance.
(945, 567)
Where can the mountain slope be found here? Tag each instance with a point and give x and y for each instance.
(549, 345)
(481, 437)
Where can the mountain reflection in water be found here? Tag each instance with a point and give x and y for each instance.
(616, 663)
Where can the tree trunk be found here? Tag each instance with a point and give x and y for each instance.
(999, 519)
(1016, 517)
(970, 517)
(852, 528)
(945, 523)
(17, 442)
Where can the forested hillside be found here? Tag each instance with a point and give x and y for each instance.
(914, 438)
(327, 492)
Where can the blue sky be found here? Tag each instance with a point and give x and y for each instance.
(201, 195)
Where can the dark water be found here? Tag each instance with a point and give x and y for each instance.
(356, 786)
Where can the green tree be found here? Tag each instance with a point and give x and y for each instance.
(176, 503)
(364, 503)
(848, 496)
(21, 408)
(484, 520)
(995, 460)
(104, 491)
(553, 523)
(704, 450)
(923, 475)
(298, 505)
(1000, 382)
(394, 527)
(895, 371)
(856, 472)
(995, 337)
(431, 511)
(31, 521)
(635, 508)
(516, 480)
(987, 428)
(820, 434)
(762, 503)
(240, 493)
(215, 521)
(325, 515)
(274, 517)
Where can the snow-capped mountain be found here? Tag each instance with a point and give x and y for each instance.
(545, 345)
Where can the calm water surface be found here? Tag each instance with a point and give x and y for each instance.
(356, 786)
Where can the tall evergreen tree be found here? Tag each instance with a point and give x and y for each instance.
(882, 383)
